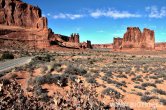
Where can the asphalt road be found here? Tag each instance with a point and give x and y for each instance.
(5, 66)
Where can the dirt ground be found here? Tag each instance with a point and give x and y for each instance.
(136, 79)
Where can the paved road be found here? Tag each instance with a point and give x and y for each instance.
(4, 66)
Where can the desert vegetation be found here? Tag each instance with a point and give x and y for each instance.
(65, 78)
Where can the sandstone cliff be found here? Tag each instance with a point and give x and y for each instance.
(18, 13)
(134, 38)
(22, 26)
(160, 46)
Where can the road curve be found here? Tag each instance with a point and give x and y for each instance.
(4, 66)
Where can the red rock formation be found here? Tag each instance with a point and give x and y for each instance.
(117, 43)
(148, 39)
(89, 45)
(21, 23)
(102, 46)
(160, 46)
(18, 13)
(133, 38)
(22, 26)
(86, 45)
(74, 38)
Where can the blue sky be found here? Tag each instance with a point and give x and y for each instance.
(101, 20)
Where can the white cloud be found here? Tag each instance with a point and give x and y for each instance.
(113, 14)
(48, 14)
(67, 16)
(155, 12)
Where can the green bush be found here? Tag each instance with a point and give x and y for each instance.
(159, 91)
(7, 55)
(146, 98)
(163, 101)
(60, 80)
(111, 91)
(75, 71)
(148, 84)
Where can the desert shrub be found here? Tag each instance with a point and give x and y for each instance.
(139, 93)
(147, 93)
(60, 80)
(87, 75)
(109, 73)
(112, 92)
(163, 101)
(2, 74)
(38, 90)
(41, 59)
(153, 77)
(159, 91)
(146, 98)
(53, 66)
(7, 55)
(6, 81)
(105, 78)
(137, 78)
(110, 81)
(72, 77)
(96, 75)
(159, 81)
(114, 61)
(44, 97)
(137, 82)
(44, 69)
(148, 84)
(91, 80)
(56, 65)
(140, 87)
(18, 69)
(42, 93)
(75, 71)
(121, 76)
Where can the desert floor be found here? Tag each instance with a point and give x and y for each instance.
(134, 79)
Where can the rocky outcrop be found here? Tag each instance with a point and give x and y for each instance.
(134, 38)
(117, 43)
(160, 46)
(102, 46)
(22, 26)
(86, 45)
(18, 13)
(148, 39)
(74, 38)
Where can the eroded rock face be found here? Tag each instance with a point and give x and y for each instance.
(23, 27)
(134, 38)
(74, 38)
(102, 46)
(160, 46)
(117, 43)
(18, 13)
(148, 39)
(86, 45)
